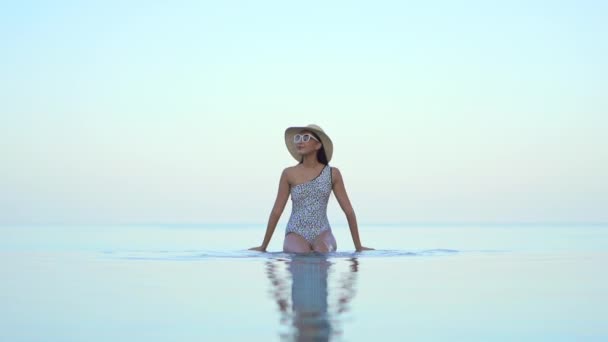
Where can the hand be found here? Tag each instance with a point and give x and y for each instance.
(362, 248)
(259, 249)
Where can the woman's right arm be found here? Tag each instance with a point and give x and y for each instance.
(277, 210)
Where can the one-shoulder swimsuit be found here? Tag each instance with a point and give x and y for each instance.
(309, 206)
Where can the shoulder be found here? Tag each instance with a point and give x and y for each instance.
(288, 172)
(289, 169)
(335, 173)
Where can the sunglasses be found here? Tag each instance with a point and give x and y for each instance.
(303, 137)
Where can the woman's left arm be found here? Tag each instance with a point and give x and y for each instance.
(342, 197)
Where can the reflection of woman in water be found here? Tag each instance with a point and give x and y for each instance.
(310, 183)
(310, 317)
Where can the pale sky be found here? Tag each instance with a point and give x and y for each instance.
(440, 111)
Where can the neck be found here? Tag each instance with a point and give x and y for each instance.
(310, 160)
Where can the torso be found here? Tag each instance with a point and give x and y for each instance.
(309, 195)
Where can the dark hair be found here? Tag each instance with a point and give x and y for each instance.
(321, 156)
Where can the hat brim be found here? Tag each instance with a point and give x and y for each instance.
(291, 147)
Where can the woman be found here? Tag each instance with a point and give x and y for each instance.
(310, 183)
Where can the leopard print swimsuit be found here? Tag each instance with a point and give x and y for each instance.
(309, 206)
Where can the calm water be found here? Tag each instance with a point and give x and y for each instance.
(199, 283)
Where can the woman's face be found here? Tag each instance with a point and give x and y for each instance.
(310, 146)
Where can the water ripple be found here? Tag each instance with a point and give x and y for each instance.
(254, 255)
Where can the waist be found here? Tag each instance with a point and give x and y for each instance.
(312, 220)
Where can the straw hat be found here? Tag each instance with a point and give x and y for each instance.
(325, 140)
